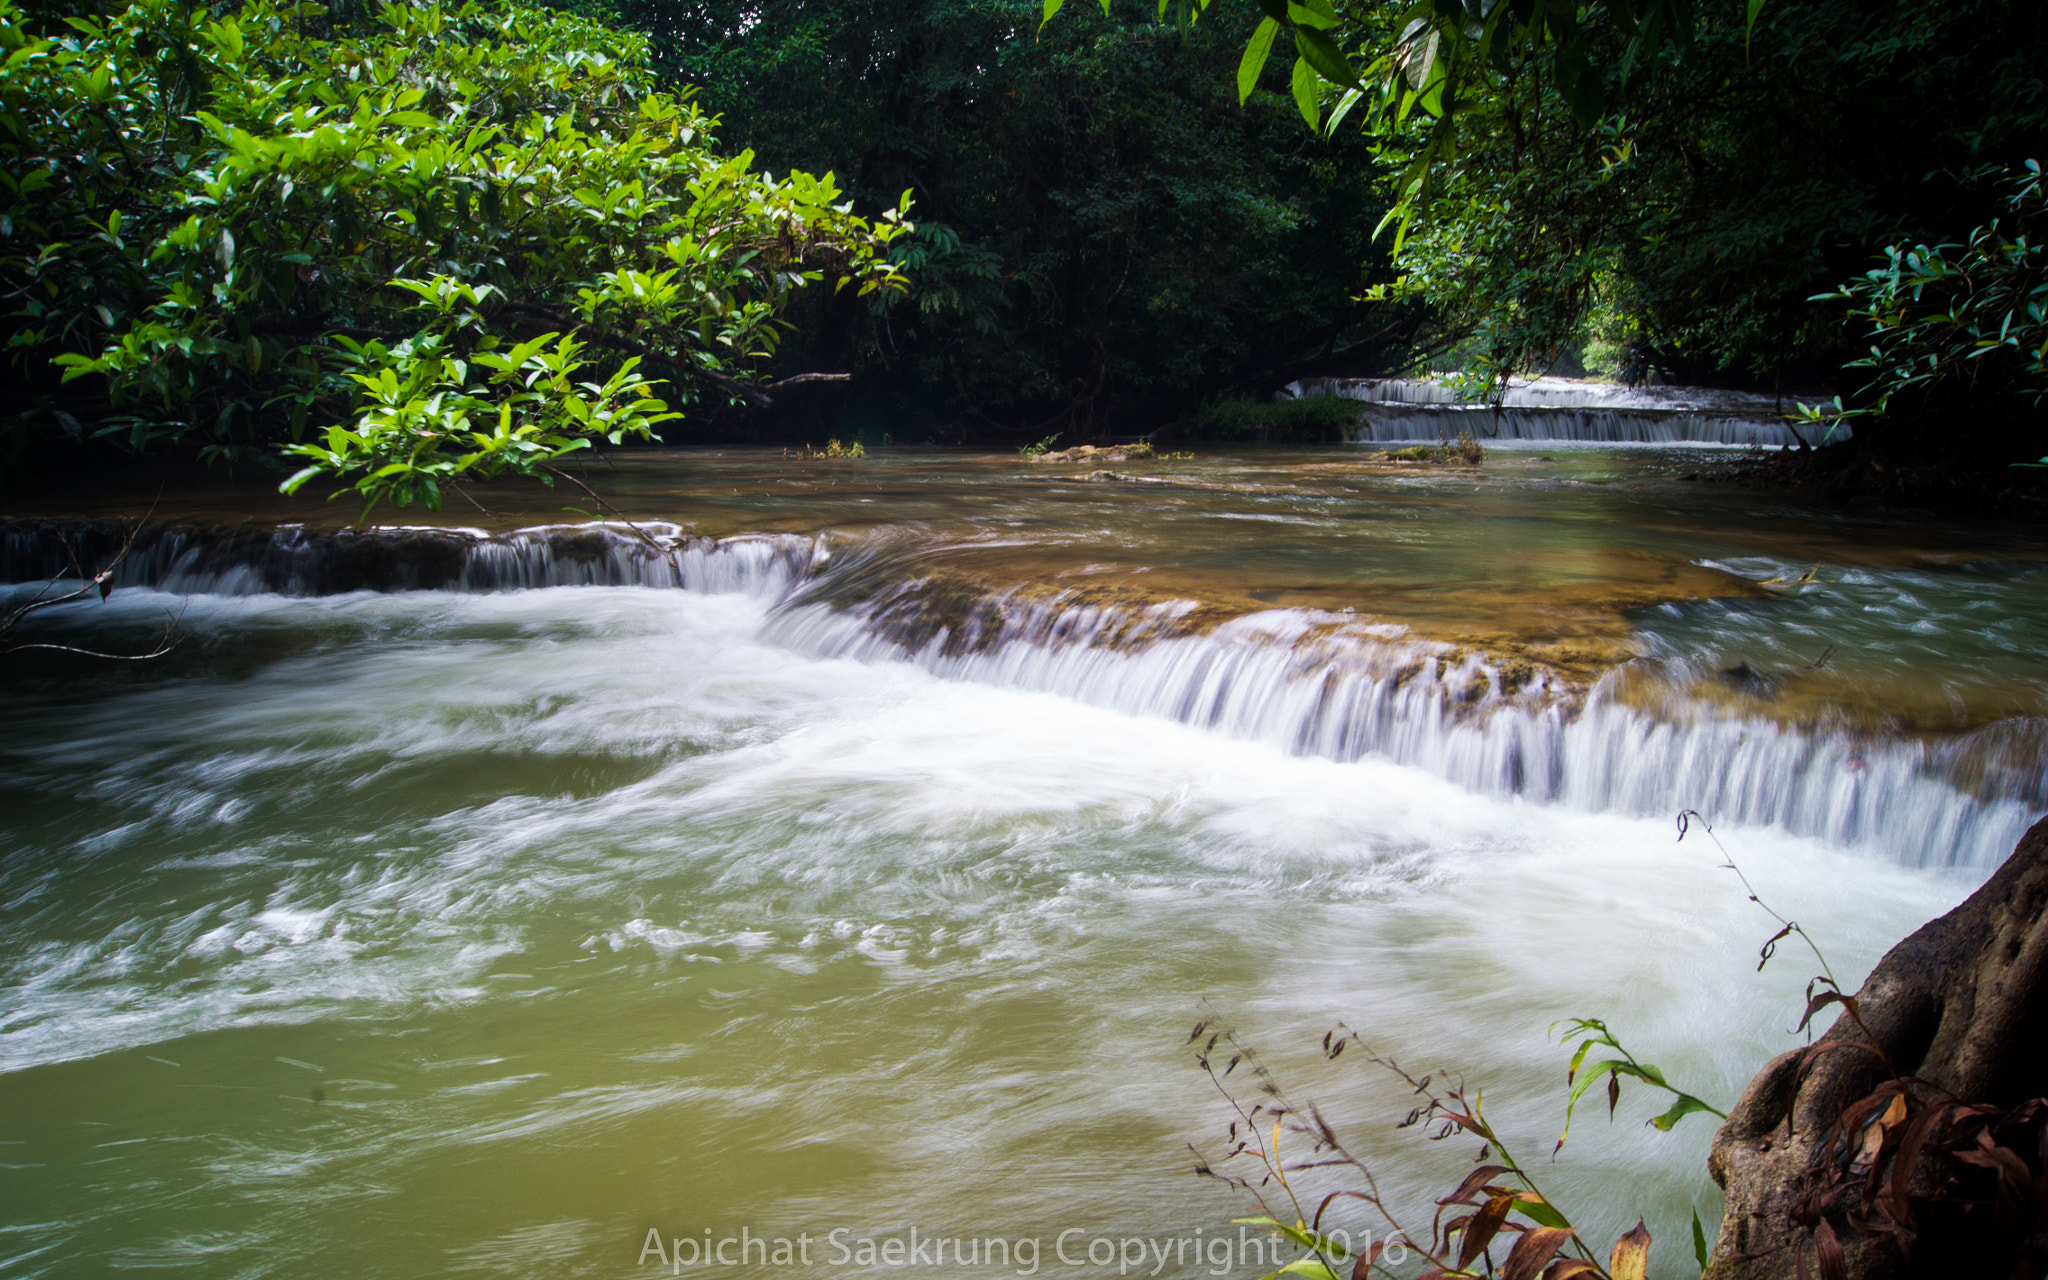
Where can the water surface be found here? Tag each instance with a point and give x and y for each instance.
(482, 931)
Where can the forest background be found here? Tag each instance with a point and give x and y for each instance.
(1119, 219)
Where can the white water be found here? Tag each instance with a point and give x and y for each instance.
(1304, 682)
(589, 911)
(1412, 409)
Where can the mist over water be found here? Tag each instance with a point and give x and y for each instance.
(482, 930)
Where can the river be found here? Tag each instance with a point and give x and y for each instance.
(871, 882)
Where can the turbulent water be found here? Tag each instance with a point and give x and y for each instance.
(866, 879)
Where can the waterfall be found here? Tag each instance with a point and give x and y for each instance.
(290, 560)
(1317, 684)
(1412, 409)
(1306, 681)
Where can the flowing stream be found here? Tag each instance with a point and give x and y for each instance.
(848, 846)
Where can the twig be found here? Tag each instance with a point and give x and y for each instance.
(646, 538)
(1685, 820)
(102, 584)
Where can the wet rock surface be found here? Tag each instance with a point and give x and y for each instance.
(1907, 1142)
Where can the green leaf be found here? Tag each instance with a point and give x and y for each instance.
(1307, 88)
(1256, 51)
(1699, 1235)
(1052, 8)
(1540, 1211)
(298, 478)
(1581, 85)
(1322, 53)
(1685, 1106)
(1344, 104)
(1312, 13)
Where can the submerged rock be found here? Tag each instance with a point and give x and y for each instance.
(1750, 680)
(1098, 453)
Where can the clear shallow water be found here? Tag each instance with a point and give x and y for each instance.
(436, 932)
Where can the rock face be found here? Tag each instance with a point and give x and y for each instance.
(1095, 453)
(1907, 1142)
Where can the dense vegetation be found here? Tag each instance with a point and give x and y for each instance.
(1106, 238)
(410, 247)
(1688, 183)
(426, 242)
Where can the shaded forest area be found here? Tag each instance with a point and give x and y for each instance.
(1116, 218)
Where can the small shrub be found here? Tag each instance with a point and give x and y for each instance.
(1314, 420)
(834, 448)
(1464, 449)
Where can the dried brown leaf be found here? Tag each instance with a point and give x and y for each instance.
(1827, 1248)
(1473, 1181)
(1480, 1231)
(1630, 1259)
(1536, 1248)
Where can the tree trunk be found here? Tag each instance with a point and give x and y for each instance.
(1948, 1036)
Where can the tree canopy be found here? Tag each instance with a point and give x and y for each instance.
(1105, 237)
(409, 246)
(1697, 178)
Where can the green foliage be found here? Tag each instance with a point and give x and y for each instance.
(1969, 320)
(1106, 238)
(1463, 449)
(436, 242)
(1309, 419)
(423, 420)
(1580, 1077)
(1663, 179)
(1697, 214)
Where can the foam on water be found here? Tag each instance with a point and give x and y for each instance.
(535, 887)
(1308, 682)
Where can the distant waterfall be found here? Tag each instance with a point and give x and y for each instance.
(1306, 681)
(289, 560)
(1411, 409)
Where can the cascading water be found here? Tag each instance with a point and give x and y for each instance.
(1309, 682)
(418, 915)
(1412, 409)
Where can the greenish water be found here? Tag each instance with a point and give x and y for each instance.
(438, 932)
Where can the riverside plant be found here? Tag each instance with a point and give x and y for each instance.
(1869, 1176)
(1464, 449)
(1498, 1203)
(834, 448)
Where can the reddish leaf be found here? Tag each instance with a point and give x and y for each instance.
(1536, 1247)
(1363, 1267)
(1566, 1268)
(1909, 1149)
(1479, 1232)
(1828, 1249)
(1473, 1181)
(1613, 1092)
